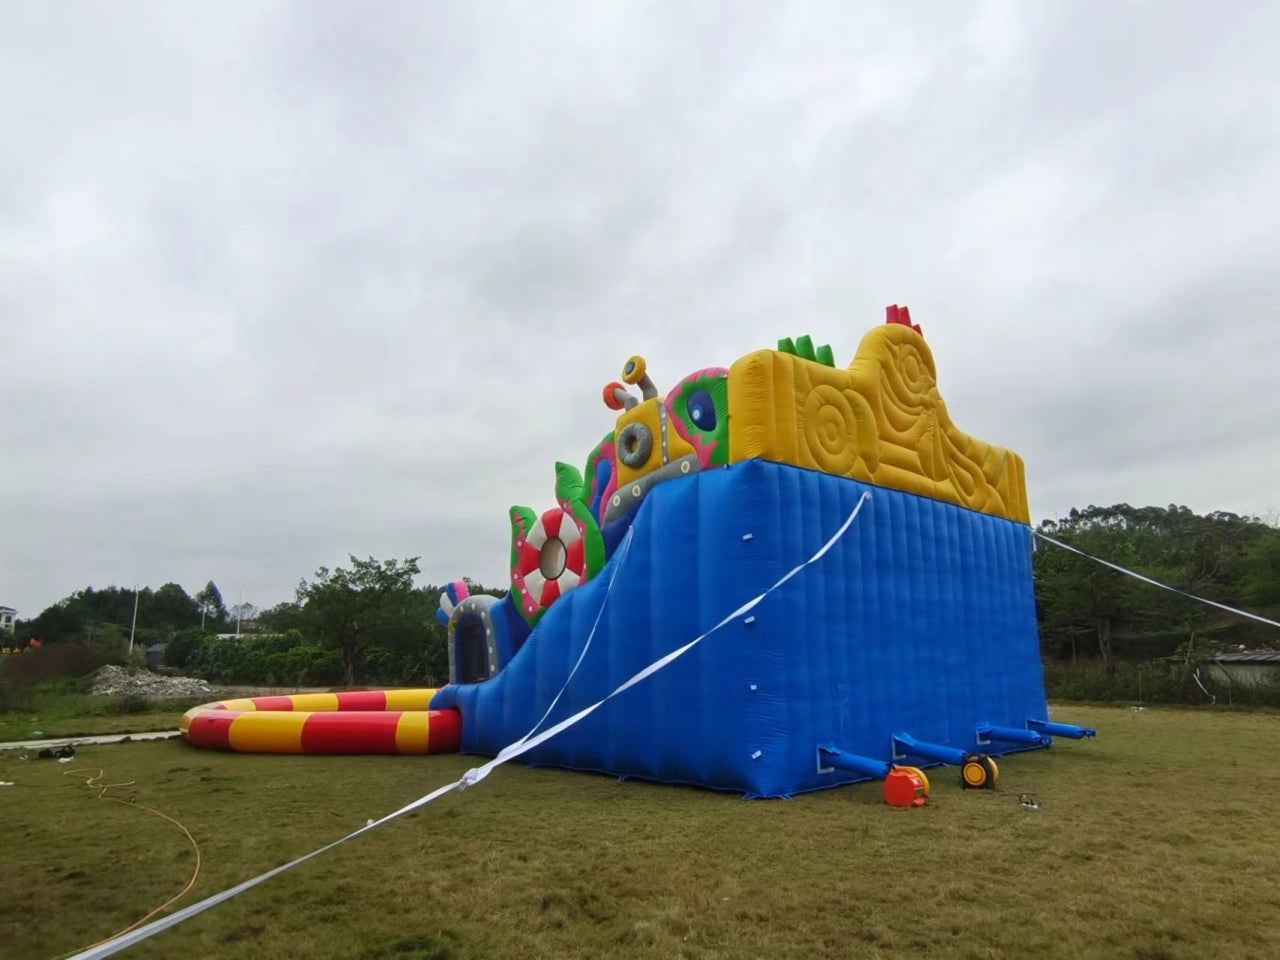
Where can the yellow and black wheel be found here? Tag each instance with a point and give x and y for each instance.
(979, 772)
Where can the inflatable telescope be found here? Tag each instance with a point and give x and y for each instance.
(912, 640)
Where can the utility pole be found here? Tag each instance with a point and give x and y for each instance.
(134, 626)
(239, 612)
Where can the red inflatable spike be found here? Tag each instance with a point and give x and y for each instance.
(897, 314)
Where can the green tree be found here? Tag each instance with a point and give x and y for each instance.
(59, 623)
(210, 601)
(282, 617)
(183, 649)
(243, 611)
(1260, 578)
(353, 609)
(84, 615)
(171, 607)
(1082, 602)
(1217, 556)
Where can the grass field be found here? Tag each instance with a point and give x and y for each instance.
(82, 715)
(56, 712)
(1156, 841)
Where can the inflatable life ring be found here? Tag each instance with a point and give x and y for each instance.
(551, 560)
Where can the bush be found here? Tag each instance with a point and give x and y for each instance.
(1158, 681)
(129, 703)
(289, 658)
(71, 664)
(183, 649)
(56, 661)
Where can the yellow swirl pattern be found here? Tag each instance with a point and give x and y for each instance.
(881, 421)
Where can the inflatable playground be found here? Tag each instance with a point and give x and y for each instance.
(910, 642)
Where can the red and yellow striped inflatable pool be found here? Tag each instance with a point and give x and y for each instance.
(351, 722)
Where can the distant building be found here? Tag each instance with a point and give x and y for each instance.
(1246, 668)
(246, 626)
(7, 616)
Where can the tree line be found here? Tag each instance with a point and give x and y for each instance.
(370, 623)
(1088, 611)
(365, 623)
(108, 615)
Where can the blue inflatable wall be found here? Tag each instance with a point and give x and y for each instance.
(920, 620)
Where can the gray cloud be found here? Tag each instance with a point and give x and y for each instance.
(287, 281)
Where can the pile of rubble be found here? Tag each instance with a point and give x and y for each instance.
(116, 680)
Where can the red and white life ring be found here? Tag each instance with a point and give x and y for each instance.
(552, 559)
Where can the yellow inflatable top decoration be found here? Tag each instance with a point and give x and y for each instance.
(881, 420)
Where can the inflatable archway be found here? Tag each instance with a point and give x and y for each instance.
(913, 640)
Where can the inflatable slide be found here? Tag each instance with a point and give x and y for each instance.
(911, 640)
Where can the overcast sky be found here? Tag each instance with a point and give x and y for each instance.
(281, 282)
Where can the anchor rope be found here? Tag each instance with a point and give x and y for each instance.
(470, 778)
